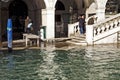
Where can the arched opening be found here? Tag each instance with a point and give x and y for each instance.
(17, 12)
(59, 6)
(59, 20)
(112, 7)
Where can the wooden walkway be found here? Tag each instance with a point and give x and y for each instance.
(27, 39)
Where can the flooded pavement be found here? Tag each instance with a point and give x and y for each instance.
(65, 62)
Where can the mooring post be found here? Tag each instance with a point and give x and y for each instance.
(9, 34)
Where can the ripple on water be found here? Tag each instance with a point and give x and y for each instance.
(75, 63)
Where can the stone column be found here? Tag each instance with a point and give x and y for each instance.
(48, 20)
(100, 9)
(100, 14)
(89, 34)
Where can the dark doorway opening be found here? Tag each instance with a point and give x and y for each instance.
(18, 12)
(61, 25)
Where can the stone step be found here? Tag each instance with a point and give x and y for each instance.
(81, 41)
(78, 41)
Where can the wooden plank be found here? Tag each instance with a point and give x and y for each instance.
(31, 36)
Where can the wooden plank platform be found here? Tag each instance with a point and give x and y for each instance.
(15, 43)
(31, 37)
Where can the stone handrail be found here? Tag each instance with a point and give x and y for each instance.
(99, 32)
(91, 20)
(102, 29)
(73, 29)
(105, 26)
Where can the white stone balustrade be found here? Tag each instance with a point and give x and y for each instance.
(107, 25)
(101, 32)
(73, 29)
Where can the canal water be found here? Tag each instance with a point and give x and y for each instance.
(100, 62)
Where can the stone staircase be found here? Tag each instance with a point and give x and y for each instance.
(78, 39)
(102, 32)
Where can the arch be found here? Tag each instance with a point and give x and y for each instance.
(40, 4)
(18, 11)
(112, 7)
(32, 8)
(18, 8)
(43, 5)
(88, 3)
(59, 5)
(91, 10)
(59, 18)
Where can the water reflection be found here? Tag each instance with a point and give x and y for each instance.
(47, 69)
(104, 62)
(78, 63)
(71, 64)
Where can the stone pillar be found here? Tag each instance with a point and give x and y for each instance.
(48, 20)
(89, 34)
(100, 9)
(44, 17)
(100, 14)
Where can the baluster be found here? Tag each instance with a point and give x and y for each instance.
(98, 30)
(74, 30)
(111, 25)
(103, 28)
(115, 23)
(118, 22)
(107, 26)
(78, 28)
(95, 32)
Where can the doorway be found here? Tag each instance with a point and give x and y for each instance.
(60, 20)
(18, 12)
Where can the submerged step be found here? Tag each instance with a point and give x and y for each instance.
(78, 43)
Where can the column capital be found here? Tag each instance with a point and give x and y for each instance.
(48, 8)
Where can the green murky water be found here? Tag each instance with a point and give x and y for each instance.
(78, 63)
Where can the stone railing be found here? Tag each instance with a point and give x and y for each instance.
(103, 29)
(108, 24)
(73, 29)
(91, 20)
(99, 33)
